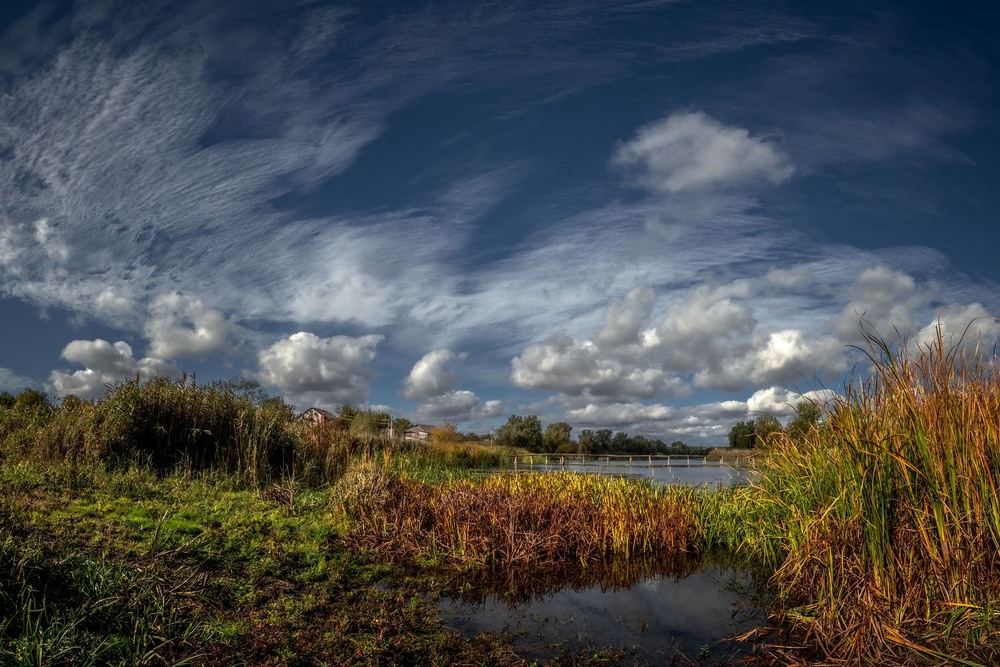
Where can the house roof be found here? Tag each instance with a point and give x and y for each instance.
(421, 428)
(325, 413)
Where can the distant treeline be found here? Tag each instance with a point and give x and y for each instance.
(526, 432)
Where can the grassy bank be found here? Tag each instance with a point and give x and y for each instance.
(170, 523)
(133, 568)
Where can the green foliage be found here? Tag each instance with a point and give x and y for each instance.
(232, 426)
(808, 415)
(556, 436)
(399, 426)
(523, 432)
(446, 434)
(754, 433)
(766, 427)
(743, 435)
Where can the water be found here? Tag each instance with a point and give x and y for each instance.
(658, 613)
(678, 472)
(657, 618)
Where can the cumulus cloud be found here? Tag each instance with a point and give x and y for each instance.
(324, 372)
(104, 365)
(583, 367)
(183, 327)
(885, 298)
(46, 237)
(694, 152)
(625, 318)
(707, 329)
(615, 365)
(429, 377)
(969, 327)
(781, 402)
(457, 406)
(430, 382)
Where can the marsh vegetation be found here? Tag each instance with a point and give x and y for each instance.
(171, 523)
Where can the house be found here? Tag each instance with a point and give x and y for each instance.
(419, 433)
(319, 417)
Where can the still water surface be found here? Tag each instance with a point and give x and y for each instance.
(655, 617)
(679, 471)
(655, 620)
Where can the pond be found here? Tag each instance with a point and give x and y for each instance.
(678, 470)
(656, 619)
(658, 613)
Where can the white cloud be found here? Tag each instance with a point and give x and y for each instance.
(969, 327)
(429, 377)
(781, 402)
(883, 297)
(458, 406)
(794, 278)
(113, 302)
(46, 237)
(8, 249)
(184, 327)
(617, 364)
(707, 329)
(707, 423)
(625, 318)
(620, 414)
(574, 368)
(104, 365)
(324, 372)
(430, 382)
(13, 382)
(694, 152)
(791, 354)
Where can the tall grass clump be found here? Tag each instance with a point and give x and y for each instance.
(162, 422)
(449, 455)
(884, 522)
(549, 519)
(326, 451)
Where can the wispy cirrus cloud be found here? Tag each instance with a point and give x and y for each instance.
(12, 381)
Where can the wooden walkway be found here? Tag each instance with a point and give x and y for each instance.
(614, 460)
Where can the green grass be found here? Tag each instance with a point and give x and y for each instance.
(883, 526)
(133, 568)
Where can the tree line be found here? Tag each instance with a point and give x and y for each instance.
(526, 432)
(759, 432)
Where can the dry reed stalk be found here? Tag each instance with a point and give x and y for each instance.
(888, 517)
(542, 520)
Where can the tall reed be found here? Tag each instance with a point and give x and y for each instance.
(520, 519)
(884, 524)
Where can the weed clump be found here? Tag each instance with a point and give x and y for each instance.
(884, 524)
(525, 519)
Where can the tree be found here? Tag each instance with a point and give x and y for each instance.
(766, 426)
(446, 434)
(368, 423)
(556, 435)
(523, 432)
(399, 426)
(743, 435)
(808, 415)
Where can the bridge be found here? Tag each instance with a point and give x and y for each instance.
(551, 460)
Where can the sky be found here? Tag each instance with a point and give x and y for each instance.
(654, 217)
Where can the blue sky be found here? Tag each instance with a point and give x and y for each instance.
(659, 217)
